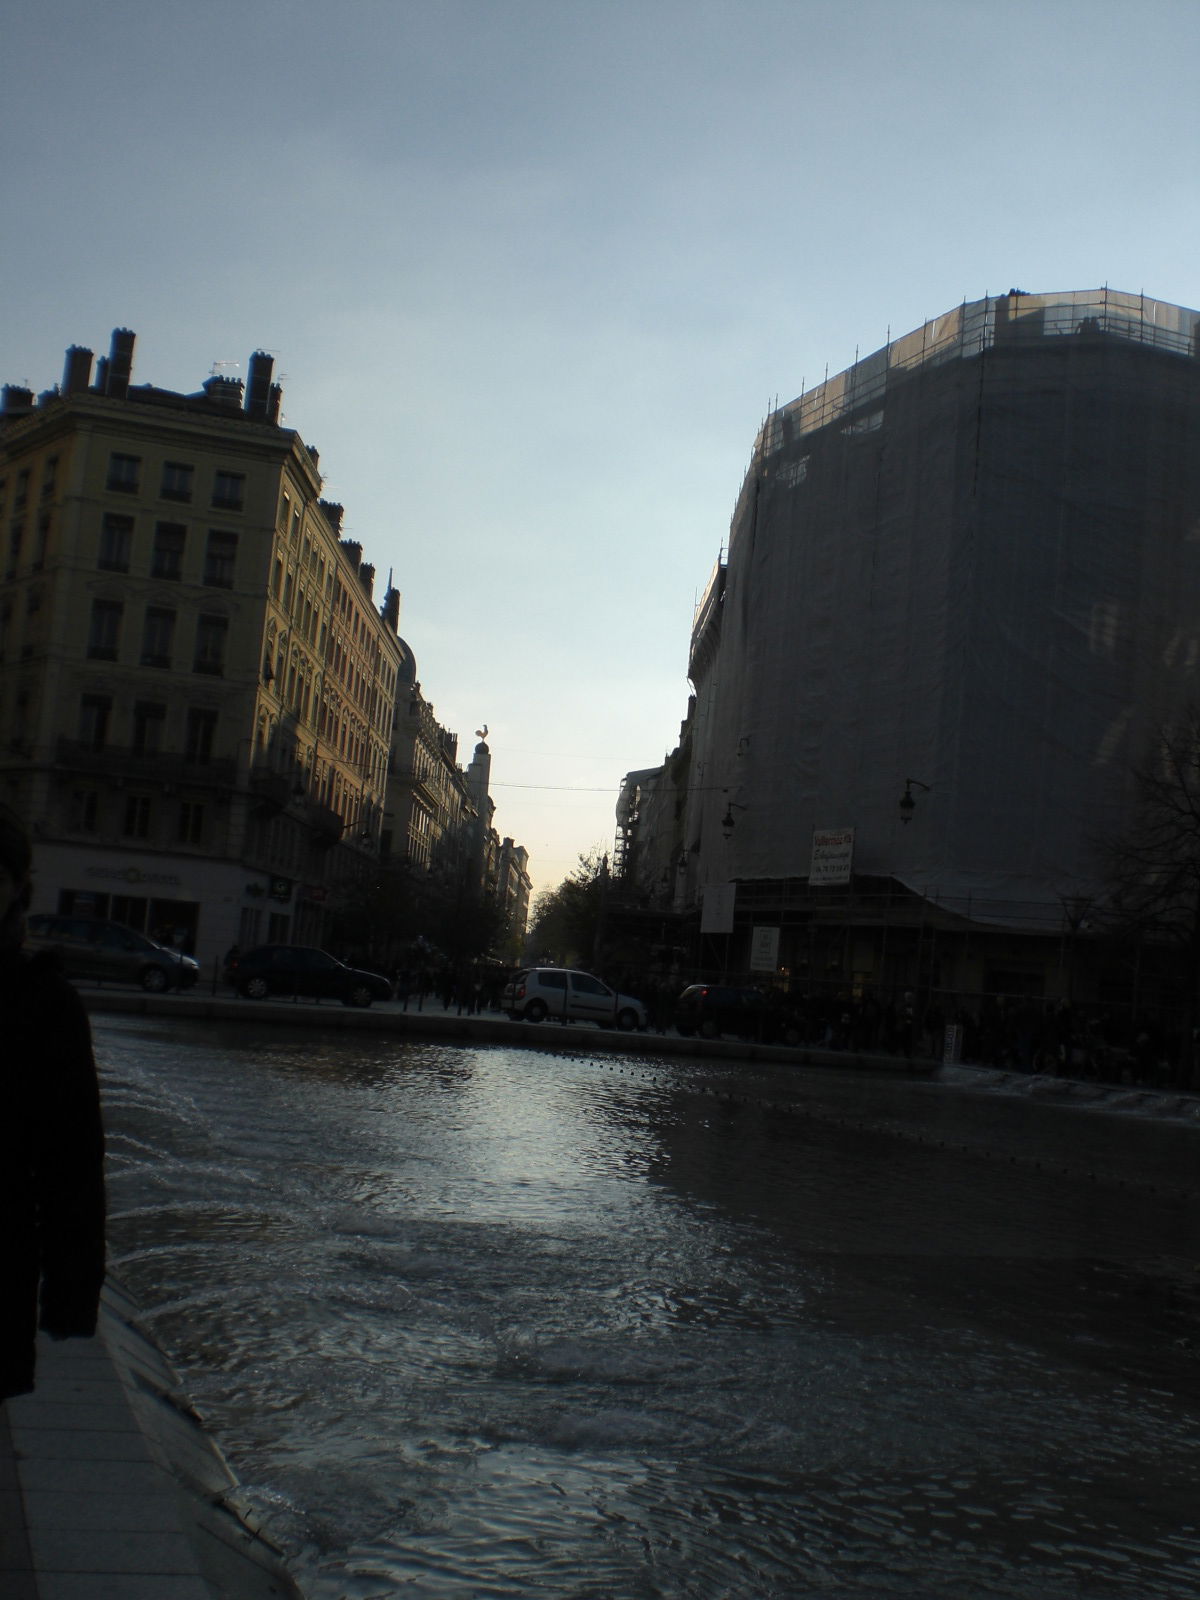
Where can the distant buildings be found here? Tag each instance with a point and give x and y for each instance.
(965, 574)
(200, 696)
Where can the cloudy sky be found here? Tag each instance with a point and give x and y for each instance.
(533, 271)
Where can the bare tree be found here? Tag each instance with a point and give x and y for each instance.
(1152, 869)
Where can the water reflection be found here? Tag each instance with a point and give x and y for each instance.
(491, 1322)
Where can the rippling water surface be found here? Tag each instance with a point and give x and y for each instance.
(495, 1322)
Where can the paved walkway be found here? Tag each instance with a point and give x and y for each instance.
(109, 1488)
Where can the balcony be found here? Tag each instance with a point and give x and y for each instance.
(272, 790)
(326, 825)
(146, 766)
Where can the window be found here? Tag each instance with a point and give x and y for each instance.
(176, 481)
(15, 534)
(21, 493)
(158, 634)
(167, 558)
(191, 823)
(104, 630)
(124, 473)
(200, 732)
(43, 541)
(149, 720)
(277, 579)
(116, 541)
(210, 645)
(49, 474)
(136, 823)
(229, 490)
(94, 712)
(85, 811)
(219, 556)
(592, 986)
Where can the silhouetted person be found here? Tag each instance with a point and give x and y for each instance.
(51, 1140)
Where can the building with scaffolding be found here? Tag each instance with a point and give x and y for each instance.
(964, 575)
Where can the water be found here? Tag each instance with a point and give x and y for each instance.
(495, 1322)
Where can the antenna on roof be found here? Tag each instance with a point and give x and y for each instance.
(218, 368)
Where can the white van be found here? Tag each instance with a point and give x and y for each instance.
(541, 992)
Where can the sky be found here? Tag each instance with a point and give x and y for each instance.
(534, 271)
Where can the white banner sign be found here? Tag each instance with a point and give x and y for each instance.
(832, 855)
(764, 949)
(716, 914)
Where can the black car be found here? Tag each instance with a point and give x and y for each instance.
(296, 969)
(711, 1009)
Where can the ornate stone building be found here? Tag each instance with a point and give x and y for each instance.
(196, 680)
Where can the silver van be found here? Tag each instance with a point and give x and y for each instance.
(99, 951)
(540, 992)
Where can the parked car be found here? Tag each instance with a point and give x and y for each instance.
(296, 969)
(99, 951)
(711, 1009)
(536, 993)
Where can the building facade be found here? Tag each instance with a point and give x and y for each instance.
(196, 682)
(963, 574)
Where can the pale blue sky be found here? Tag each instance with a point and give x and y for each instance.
(534, 272)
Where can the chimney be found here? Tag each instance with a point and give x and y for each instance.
(366, 576)
(258, 392)
(274, 401)
(77, 373)
(390, 610)
(224, 392)
(353, 551)
(120, 364)
(16, 401)
(333, 516)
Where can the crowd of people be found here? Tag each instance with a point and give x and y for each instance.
(1020, 1034)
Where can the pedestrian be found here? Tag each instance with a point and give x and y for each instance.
(51, 1140)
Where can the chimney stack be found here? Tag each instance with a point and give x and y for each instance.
(77, 373)
(258, 390)
(120, 364)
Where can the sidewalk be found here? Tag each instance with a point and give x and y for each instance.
(109, 1488)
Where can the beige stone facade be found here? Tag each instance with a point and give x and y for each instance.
(196, 682)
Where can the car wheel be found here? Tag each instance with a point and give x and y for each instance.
(155, 980)
(535, 1011)
(627, 1020)
(358, 995)
(255, 989)
(709, 1029)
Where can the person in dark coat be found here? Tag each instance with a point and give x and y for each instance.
(51, 1141)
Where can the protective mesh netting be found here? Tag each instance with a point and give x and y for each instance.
(972, 560)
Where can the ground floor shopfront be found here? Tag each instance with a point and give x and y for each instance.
(873, 962)
(192, 903)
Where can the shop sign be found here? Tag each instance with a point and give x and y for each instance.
(133, 875)
(716, 913)
(764, 949)
(832, 855)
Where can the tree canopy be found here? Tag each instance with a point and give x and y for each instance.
(566, 920)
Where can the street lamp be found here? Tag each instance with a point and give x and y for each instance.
(727, 823)
(907, 804)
